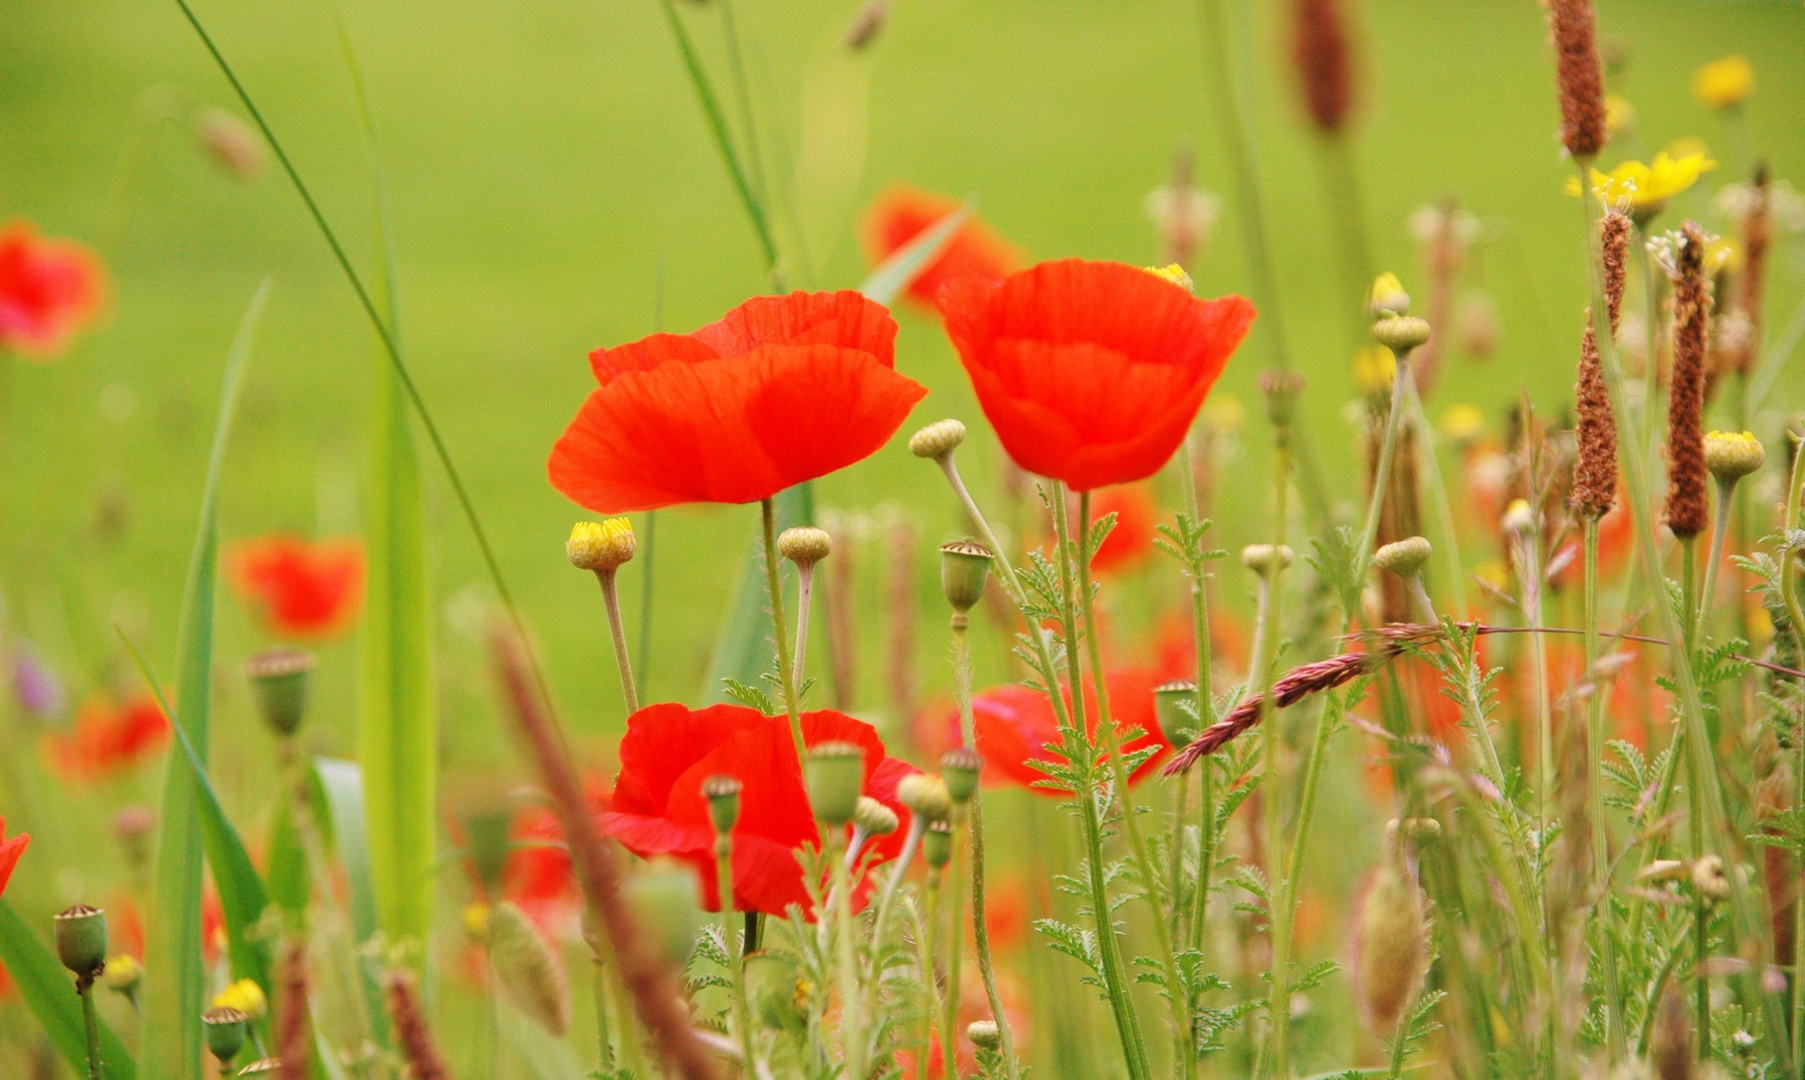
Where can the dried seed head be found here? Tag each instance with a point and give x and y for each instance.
(1263, 559)
(1401, 333)
(873, 817)
(723, 795)
(964, 568)
(805, 546)
(279, 681)
(527, 969)
(600, 545)
(1595, 468)
(937, 440)
(411, 1031)
(1670, 1043)
(262, 1066)
(835, 777)
(1663, 870)
(984, 1034)
(1404, 558)
(1614, 245)
(81, 940)
(1319, 46)
(961, 767)
(1687, 512)
(1391, 943)
(1733, 455)
(937, 844)
(865, 24)
(1709, 879)
(1578, 77)
(1169, 701)
(926, 795)
(1387, 297)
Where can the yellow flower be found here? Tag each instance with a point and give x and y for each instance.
(1374, 368)
(245, 996)
(1724, 84)
(1647, 188)
(1387, 294)
(1723, 253)
(1619, 114)
(1173, 273)
(1224, 411)
(1462, 424)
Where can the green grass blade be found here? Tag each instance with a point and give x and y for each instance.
(174, 980)
(241, 893)
(290, 880)
(893, 275)
(342, 783)
(49, 990)
(743, 649)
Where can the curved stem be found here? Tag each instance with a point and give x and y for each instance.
(611, 601)
(1206, 706)
(774, 586)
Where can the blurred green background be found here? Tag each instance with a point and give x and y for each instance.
(554, 188)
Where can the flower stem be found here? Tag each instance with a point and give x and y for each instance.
(1720, 528)
(1789, 594)
(1206, 706)
(930, 985)
(1615, 1043)
(84, 989)
(611, 600)
(852, 1020)
(768, 513)
(645, 600)
(1394, 420)
(805, 589)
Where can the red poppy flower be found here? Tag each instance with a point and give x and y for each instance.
(903, 212)
(48, 289)
(303, 589)
(1015, 723)
(781, 390)
(1091, 372)
(538, 878)
(108, 739)
(10, 850)
(1129, 544)
(659, 809)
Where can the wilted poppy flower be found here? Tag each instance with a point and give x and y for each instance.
(659, 808)
(1015, 724)
(781, 390)
(108, 739)
(303, 589)
(1130, 543)
(903, 212)
(48, 289)
(10, 850)
(1090, 372)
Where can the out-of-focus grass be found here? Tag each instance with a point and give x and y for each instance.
(548, 166)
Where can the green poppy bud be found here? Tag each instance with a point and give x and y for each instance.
(926, 795)
(984, 1034)
(723, 795)
(1401, 333)
(873, 818)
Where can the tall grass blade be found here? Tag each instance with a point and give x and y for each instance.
(242, 897)
(744, 648)
(49, 990)
(174, 980)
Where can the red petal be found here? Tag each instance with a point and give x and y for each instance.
(663, 741)
(10, 850)
(646, 354)
(844, 319)
(902, 213)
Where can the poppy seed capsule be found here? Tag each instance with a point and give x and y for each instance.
(964, 569)
(835, 777)
(1733, 455)
(960, 767)
(805, 546)
(937, 844)
(873, 818)
(1169, 706)
(1401, 333)
(280, 680)
(937, 440)
(224, 1029)
(723, 795)
(1263, 559)
(81, 940)
(1403, 557)
(527, 968)
(926, 795)
(984, 1034)
(1387, 297)
(601, 545)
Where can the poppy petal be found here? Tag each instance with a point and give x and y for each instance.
(846, 319)
(661, 744)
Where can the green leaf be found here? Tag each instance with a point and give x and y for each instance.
(894, 274)
(50, 991)
(175, 981)
(343, 785)
(743, 650)
(242, 898)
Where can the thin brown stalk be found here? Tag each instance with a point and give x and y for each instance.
(291, 1016)
(1321, 50)
(1757, 235)
(655, 994)
(1687, 508)
(412, 1034)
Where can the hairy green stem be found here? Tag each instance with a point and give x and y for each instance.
(805, 591)
(611, 600)
(645, 600)
(952, 899)
(768, 513)
(930, 985)
(1720, 528)
(1206, 706)
(84, 989)
(852, 1018)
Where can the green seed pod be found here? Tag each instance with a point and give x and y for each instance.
(984, 1034)
(926, 795)
(280, 681)
(1170, 702)
(81, 940)
(961, 768)
(1391, 943)
(835, 777)
(873, 818)
(937, 844)
(964, 569)
(225, 1032)
(527, 968)
(723, 795)
(1401, 333)
(937, 440)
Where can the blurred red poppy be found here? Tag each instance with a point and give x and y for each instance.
(1091, 372)
(1129, 544)
(48, 289)
(659, 809)
(1616, 538)
(902, 212)
(1015, 723)
(107, 739)
(303, 589)
(538, 878)
(10, 850)
(781, 390)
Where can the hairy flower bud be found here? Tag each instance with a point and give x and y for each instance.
(805, 546)
(601, 545)
(926, 795)
(937, 440)
(834, 775)
(1733, 455)
(1401, 333)
(1387, 297)
(280, 681)
(123, 974)
(527, 969)
(81, 940)
(1403, 557)
(984, 1034)
(960, 768)
(1267, 558)
(1709, 879)
(1519, 518)
(873, 818)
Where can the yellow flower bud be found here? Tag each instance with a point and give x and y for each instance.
(600, 545)
(245, 996)
(937, 440)
(1387, 296)
(1733, 455)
